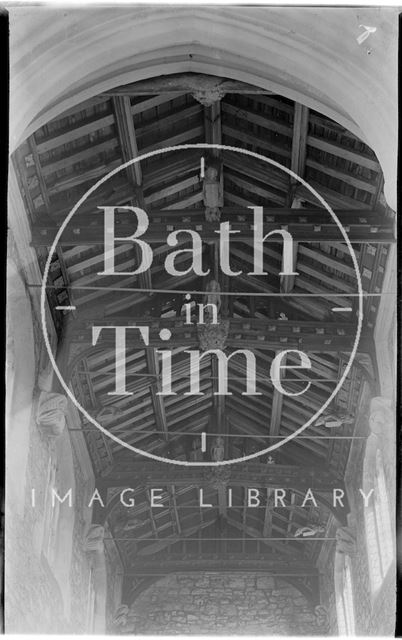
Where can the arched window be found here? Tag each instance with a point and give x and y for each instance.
(379, 537)
(344, 595)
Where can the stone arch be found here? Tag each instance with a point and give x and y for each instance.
(297, 54)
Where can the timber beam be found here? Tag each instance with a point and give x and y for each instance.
(243, 333)
(127, 139)
(248, 474)
(128, 144)
(320, 481)
(157, 400)
(209, 562)
(306, 225)
(276, 408)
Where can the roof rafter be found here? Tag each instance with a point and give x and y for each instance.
(304, 226)
(205, 562)
(129, 148)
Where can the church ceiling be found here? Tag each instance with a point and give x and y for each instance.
(64, 158)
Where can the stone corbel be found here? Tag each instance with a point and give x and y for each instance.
(381, 415)
(322, 618)
(209, 95)
(345, 541)
(51, 413)
(94, 539)
(120, 617)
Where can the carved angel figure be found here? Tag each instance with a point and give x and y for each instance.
(331, 420)
(108, 413)
(196, 453)
(309, 531)
(218, 450)
(212, 194)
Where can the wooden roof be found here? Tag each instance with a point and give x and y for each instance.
(58, 164)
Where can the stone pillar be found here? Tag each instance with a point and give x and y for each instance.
(23, 348)
(20, 384)
(385, 329)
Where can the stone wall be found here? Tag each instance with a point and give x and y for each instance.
(212, 603)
